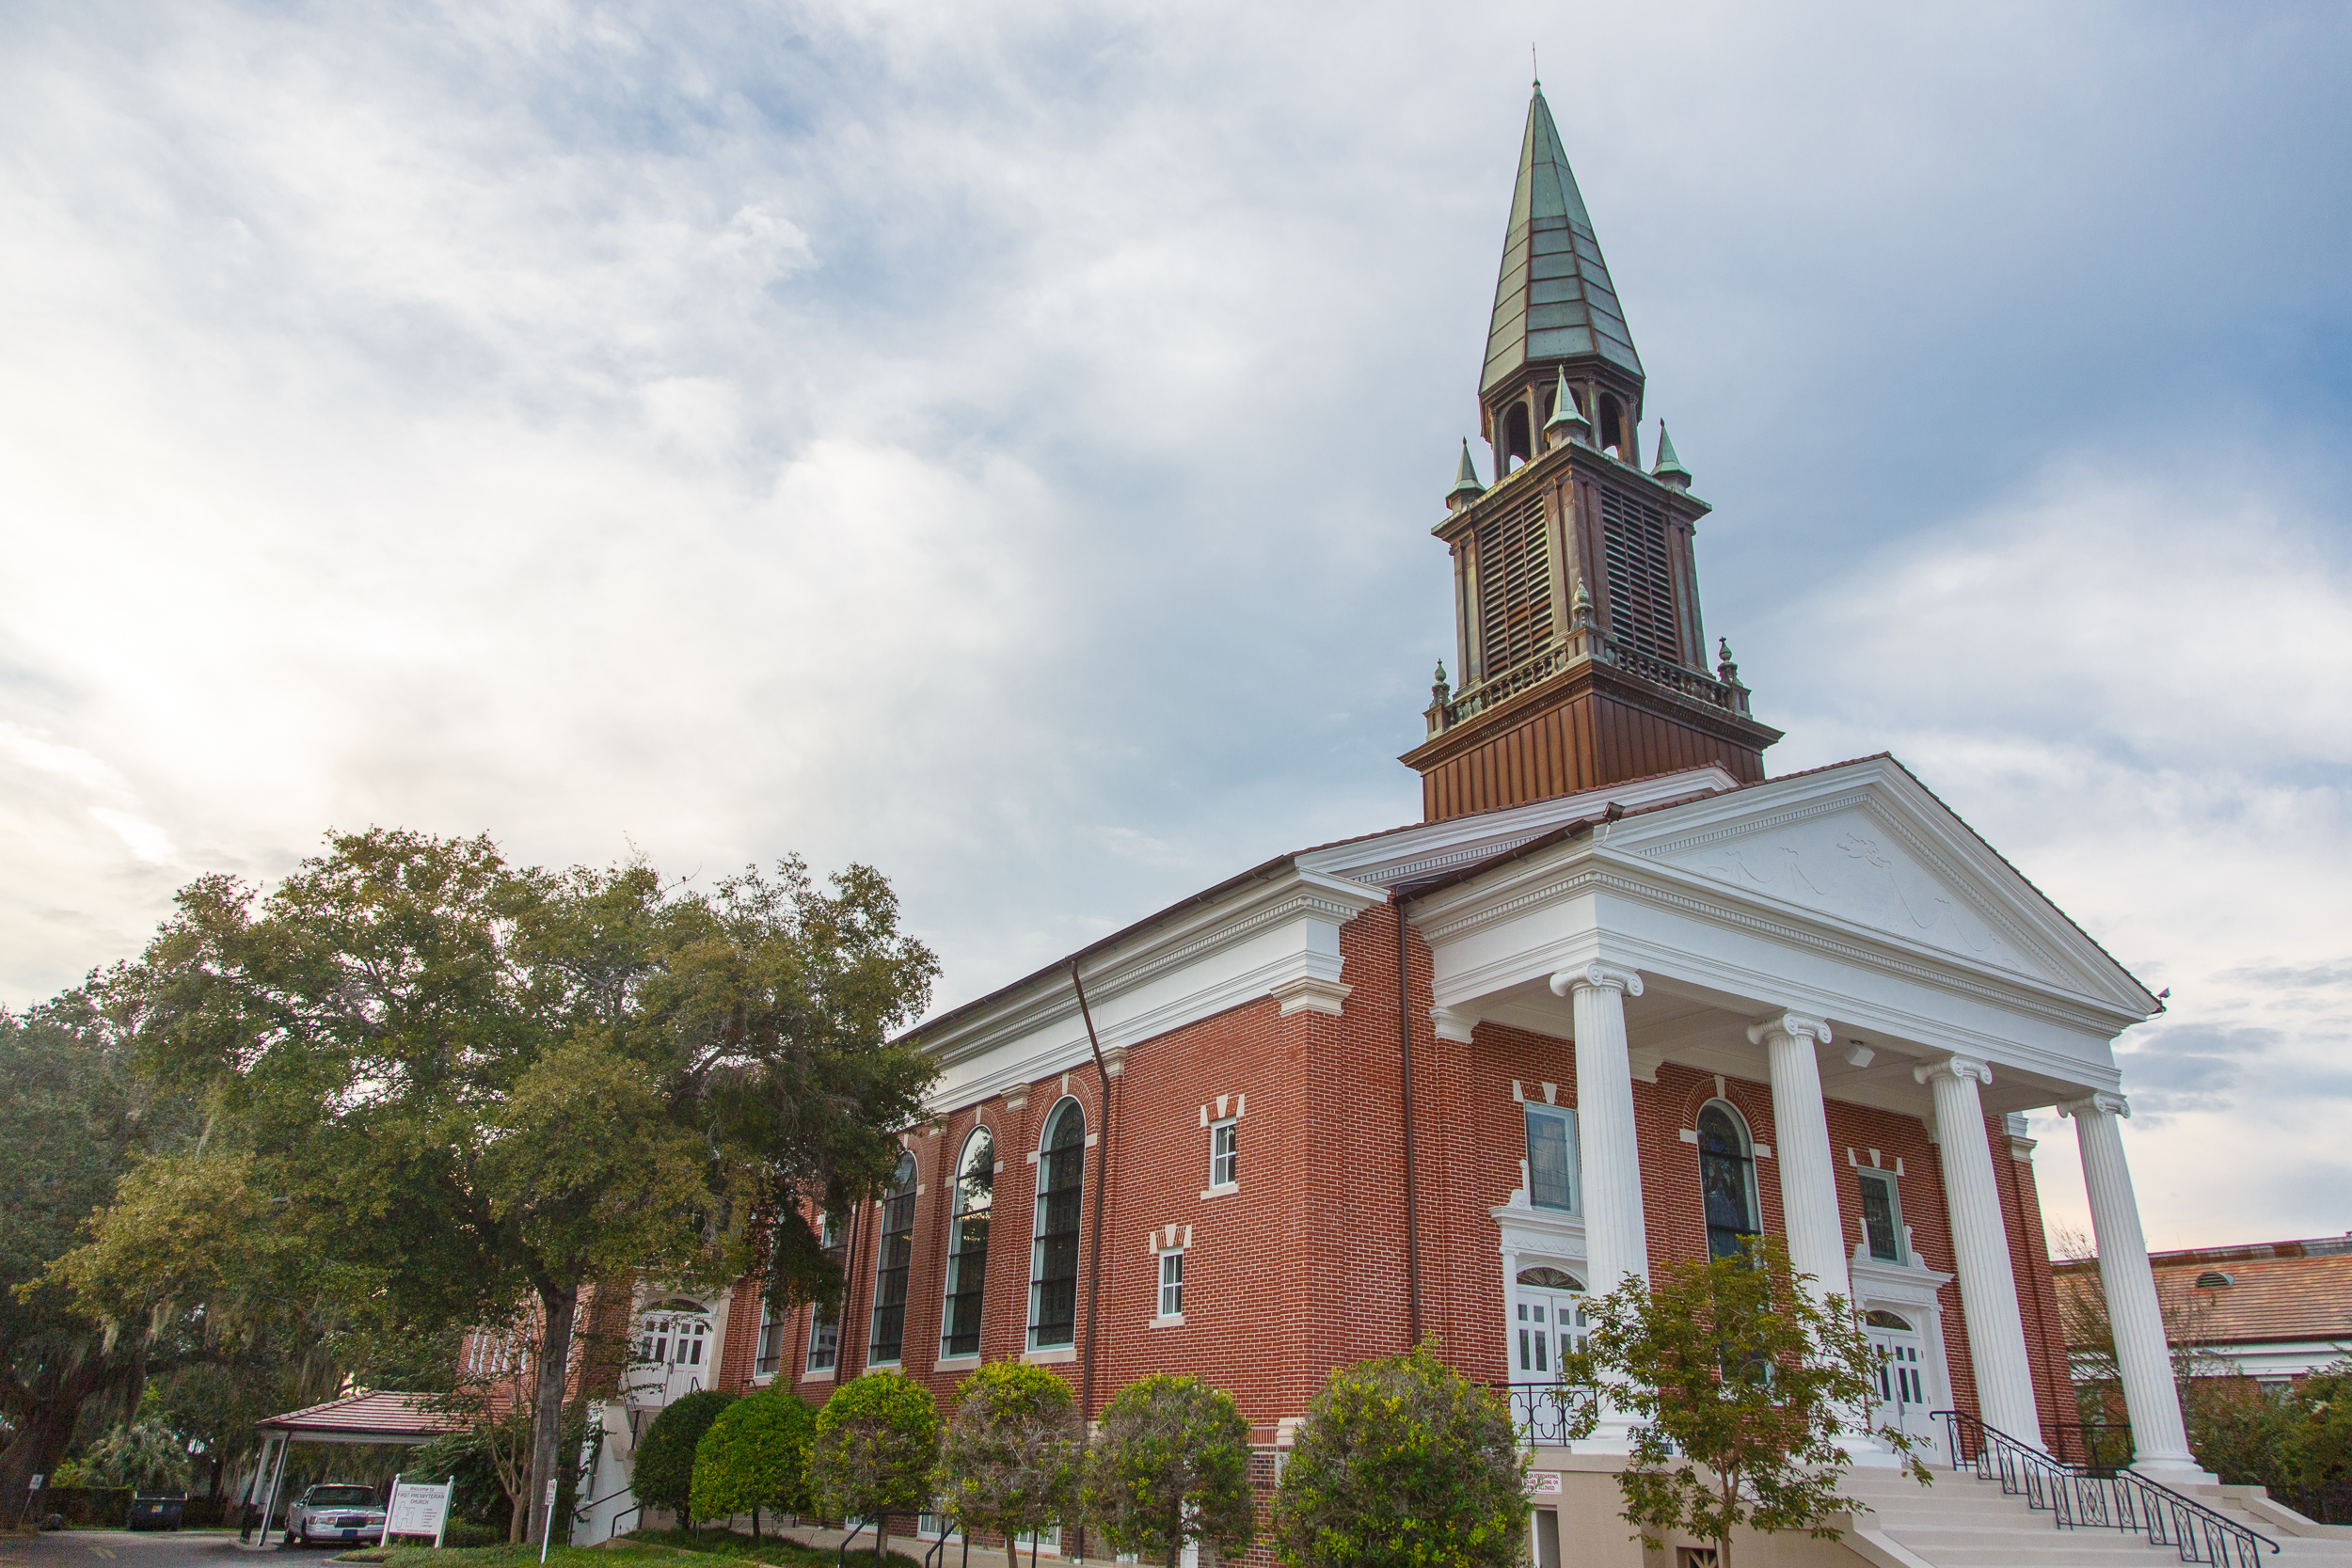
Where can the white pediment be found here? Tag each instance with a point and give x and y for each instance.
(1842, 859)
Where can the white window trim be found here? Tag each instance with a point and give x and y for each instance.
(1035, 1351)
(1576, 1157)
(1161, 1316)
(947, 1257)
(1231, 1184)
(1895, 1202)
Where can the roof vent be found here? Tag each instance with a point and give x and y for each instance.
(2212, 1279)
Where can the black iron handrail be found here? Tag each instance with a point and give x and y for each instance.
(2102, 1448)
(1538, 1414)
(2077, 1496)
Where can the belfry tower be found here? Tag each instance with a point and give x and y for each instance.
(1581, 656)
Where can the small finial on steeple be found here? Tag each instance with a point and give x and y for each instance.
(1668, 468)
(1726, 671)
(1439, 691)
(1568, 422)
(1536, 66)
(1580, 607)
(1465, 487)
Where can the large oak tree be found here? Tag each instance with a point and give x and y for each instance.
(467, 1083)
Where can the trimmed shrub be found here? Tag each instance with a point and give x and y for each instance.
(664, 1473)
(877, 1444)
(1172, 1466)
(1010, 1464)
(1402, 1464)
(755, 1456)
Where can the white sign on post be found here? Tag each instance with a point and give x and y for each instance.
(37, 1479)
(419, 1510)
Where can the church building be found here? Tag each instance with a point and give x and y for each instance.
(1620, 998)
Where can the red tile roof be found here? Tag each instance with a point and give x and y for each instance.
(2285, 1291)
(387, 1417)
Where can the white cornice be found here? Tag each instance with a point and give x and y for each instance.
(1274, 938)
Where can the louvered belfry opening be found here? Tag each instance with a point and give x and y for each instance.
(1641, 575)
(1513, 586)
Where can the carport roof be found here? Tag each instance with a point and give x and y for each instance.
(378, 1418)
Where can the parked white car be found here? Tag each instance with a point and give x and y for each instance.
(335, 1512)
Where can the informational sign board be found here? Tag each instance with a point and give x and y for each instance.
(1543, 1484)
(418, 1509)
(37, 1479)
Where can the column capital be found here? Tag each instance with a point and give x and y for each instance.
(2100, 1103)
(1452, 1025)
(1598, 975)
(1962, 1068)
(1797, 1026)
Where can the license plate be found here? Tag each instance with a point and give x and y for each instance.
(350, 1534)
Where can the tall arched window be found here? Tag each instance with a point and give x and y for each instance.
(891, 1257)
(1054, 1256)
(1726, 1178)
(967, 1244)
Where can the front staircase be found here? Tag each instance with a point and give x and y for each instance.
(2009, 1505)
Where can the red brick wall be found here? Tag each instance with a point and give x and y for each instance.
(1304, 1267)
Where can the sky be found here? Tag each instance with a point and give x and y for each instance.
(998, 443)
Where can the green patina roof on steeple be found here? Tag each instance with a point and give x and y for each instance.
(1667, 462)
(1465, 477)
(1553, 300)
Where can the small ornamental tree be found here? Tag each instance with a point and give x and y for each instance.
(1402, 1462)
(1741, 1382)
(1011, 1460)
(877, 1443)
(664, 1474)
(1172, 1466)
(755, 1456)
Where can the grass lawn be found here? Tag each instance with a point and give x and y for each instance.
(638, 1549)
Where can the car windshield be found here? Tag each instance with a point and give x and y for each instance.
(342, 1497)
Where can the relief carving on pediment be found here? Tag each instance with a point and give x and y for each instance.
(1849, 867)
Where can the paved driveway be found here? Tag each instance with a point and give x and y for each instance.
(122, 1548)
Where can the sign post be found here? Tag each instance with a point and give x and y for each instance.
(30, 1493)
(548, 1533)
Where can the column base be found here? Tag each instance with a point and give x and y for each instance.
(2179, 1474)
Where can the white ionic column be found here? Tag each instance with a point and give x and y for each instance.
(1808, 1173)
(2159, 1438)
(1987, 1285)
(1616, 1244)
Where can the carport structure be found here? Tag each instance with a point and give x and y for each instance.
(356, 1419)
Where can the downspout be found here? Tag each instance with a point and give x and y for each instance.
(1102, 1172)
(1404, 1062)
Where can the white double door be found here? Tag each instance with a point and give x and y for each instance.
(670, 1348)
(1545, 1321)
(1901, 1376)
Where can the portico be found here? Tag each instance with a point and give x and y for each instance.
(1844, 943)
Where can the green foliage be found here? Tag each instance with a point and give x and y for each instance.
(1401, 1463)
(146, 1456)
(1010, 1463)
(755, 1456)
(74, 1118)
(664, 1474)
(463, 1082)
(1742, 1383)
(1171, 1464)
(2298, 1444)
(877, 1443)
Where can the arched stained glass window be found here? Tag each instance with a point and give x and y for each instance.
(1054, 1253)
(967, 1244)
(891, 1260)
(1726, 1178)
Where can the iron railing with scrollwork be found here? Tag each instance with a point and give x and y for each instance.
(2077, 1498)
(1537, 1414)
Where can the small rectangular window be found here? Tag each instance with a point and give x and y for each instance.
(1172, 1284)
(824, 1338)
(1882, 1217)
(1551, 1158)
(1224, 1152)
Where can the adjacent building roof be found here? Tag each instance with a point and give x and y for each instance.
(378, 1418)
(1554, 299)
(2269, 1293)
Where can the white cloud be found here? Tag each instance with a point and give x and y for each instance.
(997, 442)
